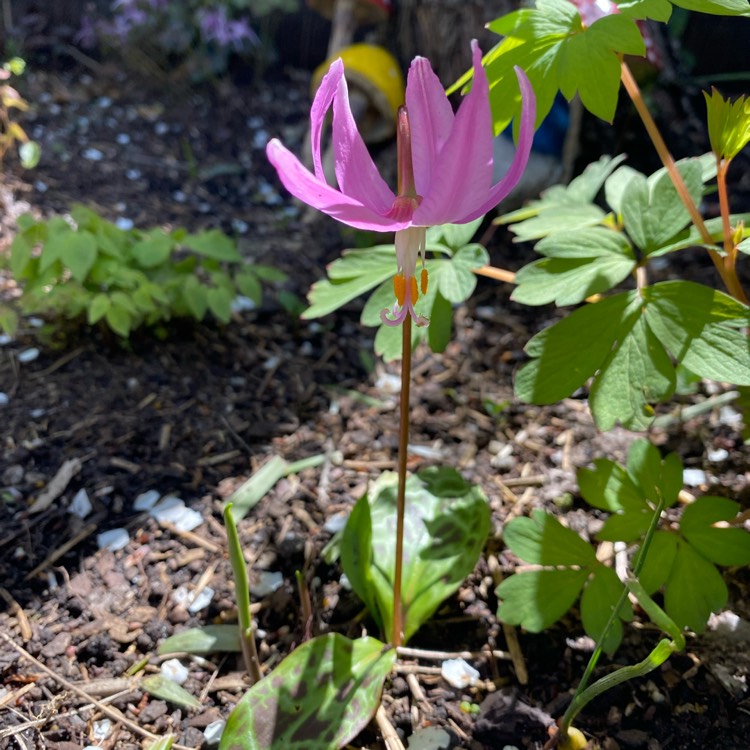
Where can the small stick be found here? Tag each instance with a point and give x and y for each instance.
(391, 738)
(418, 653)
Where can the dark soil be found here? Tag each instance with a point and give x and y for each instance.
(196, 413)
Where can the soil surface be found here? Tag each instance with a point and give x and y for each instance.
(194, 414)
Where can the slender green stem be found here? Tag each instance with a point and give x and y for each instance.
(242, 592)
(730, 251)
(403, 445)
(729, 279)
(582, 695)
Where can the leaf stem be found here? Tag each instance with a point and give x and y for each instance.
(730, 257)
(403, 445)
(729, 279)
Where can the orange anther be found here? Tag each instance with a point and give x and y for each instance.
(423, 281)
(399, 288)
(414, 292)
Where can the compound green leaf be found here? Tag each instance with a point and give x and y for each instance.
(249, 285)
(456, 280)
(213, 244)
(536, 599)
(543, 540)
(609, 487)
(658, 10)
(118, 319)
(701, 328)
(350, 276)
(659, 561)
(578, 264)
(441, 321)
(455, 236)
(717, 7)
(320, 697)
(720, 544)
(195, 296)
(557, 218)
(219, 302)
(599, 599)
(566, 354)
(694, 589)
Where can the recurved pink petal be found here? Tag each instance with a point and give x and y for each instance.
(462, 171)
(523, 148)
(320, 106)
(430, 118)
(357, 175)
(305, 186)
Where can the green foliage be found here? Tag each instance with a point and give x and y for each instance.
(681, 560)
(445, 529)
(319, 697)
(558, 52)
(451, 282)
(628, 342)
(161, 687)
(88, 268)
(11, 133)
(728, 124)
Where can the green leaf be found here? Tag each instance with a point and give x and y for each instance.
(701, 328)
(455, 236)
(388, 341)
(196, 297)
(319, 697)
(554, 49)
(118, 319)
(219, 302)
(350, 276)
(543, 540)
(441, 321)
(599, 599)
(445, 529)
(616, 185)
(153, 250)
(20, 255)
(722, 545)
(691, 237)
(249, 285)
(456, 281)
(566, 354)
(717, 7)
(651, 208)
(536, 599)
(207, 639)
(658, 10)
(728, 124)
(168, 690)
(659, 561)
(557, 218)
(8, 320)
(30, 153)
(694, 590)
(98, 307)
(637, 373)
(213, 244)
(578, 264)
(609, 487)
(79, 254)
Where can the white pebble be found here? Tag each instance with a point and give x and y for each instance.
(4, 399)
(336, 522)
(693, 477)
(123, 139)
(113, 540)
(212, 733)
(458, 673)
(728, 415)
(718, 455)
(175, 670)
(267, 583)
(80, 505)
(242, 304)
(201, 600)
(124, 223)
(5, 339)
(101, 729)
(146, 500)
(35, 322)
(161, 128)
(93, 154)
(28, 355)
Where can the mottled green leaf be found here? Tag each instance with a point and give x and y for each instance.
(320, 697)
(203, 640)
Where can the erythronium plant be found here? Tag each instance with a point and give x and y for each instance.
(445, 176)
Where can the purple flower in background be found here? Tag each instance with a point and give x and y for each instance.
(216, 27)
(593, 10)
(445, 167)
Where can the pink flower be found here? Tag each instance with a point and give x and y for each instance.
(445, 166)
(592, 10)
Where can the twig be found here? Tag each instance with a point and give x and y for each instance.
(418, 653)
(62, 550)
(391, 738)
(112, 713)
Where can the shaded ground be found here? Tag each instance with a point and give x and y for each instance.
(195, 414)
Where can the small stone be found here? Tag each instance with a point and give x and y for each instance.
(267, 583)
(123, 139)
(212, 733)
(4, 399)
(28, 355)
(458, 673)
(161, 128)
(124, 223)
(93, 154)
(114, 539)
(175, 670)
(146, 500)
(693, 477)
(718, 455)
(80, 506)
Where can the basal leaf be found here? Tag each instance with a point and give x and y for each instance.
(599, 599)
(207, 639)
(446, 526)
(543, 540)
(319, 697)
(700, 327)
(536, 599)
(694, 589)
(566, 354)
(168, 690)
(722, 545)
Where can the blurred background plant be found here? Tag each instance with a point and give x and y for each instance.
(195, 39)
(11, 133)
